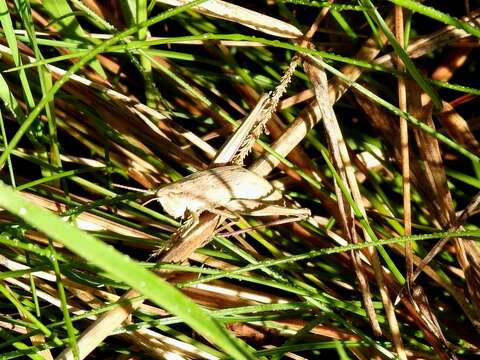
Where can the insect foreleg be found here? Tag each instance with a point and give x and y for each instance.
(192, 219)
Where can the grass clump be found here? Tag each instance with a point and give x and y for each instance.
(371, 125)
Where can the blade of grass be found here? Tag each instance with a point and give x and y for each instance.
(437, 15)
(45, 84)
(71, 331)
(8, 29)
(107, 258)
(68, 26)
(411, 68)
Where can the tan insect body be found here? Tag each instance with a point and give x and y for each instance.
(232, 188)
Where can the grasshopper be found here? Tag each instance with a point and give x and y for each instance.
(229, 190)
(224, 190)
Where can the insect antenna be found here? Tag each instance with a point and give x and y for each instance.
(131, 188)
(149, 201)
(149, 192)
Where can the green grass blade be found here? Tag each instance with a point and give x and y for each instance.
(110, 260)
(438, 15)
(70, 27)
(411, 68)
(71, 331)
(45, 84)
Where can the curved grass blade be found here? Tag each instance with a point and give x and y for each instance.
(124, 269)
(411, 68)
(438, 15)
